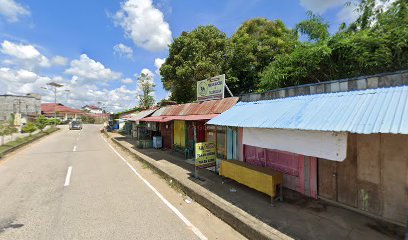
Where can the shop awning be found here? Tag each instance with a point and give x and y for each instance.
(157, 119)
(196, 117)
(184, 118)
(136, 117)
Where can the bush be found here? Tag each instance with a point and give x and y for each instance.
(29, 128)
(41, 122)
(54, 121)
(87, 119)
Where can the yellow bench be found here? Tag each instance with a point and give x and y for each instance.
(262, 179)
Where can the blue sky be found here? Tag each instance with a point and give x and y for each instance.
(73, 42)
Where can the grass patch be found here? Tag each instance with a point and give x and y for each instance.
(21, 141)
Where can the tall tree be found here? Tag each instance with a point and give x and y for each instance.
(193, 56)
(315, 28)
(145, 91)
(375, 42)
(253, 47)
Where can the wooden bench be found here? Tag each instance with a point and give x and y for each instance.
(262, 179)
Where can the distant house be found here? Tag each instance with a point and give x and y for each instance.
(62, 112)
(92, 109)
(24, 108)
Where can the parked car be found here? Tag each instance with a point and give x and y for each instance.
(75, 125)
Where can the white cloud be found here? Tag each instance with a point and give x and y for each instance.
(147, 72)
(348, 8)
(27, 56)
(12, 11)
(127, 81)
(86, 68)
(21, 81)
(320, 6)
(24, 54)
(144, 24)
(123, 50)
(158, 62)
(59, 60)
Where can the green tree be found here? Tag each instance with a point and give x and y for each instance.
(41, 122)
(252, 48)
(374, 43)
(145, 91)
(193, 56)
(306, 64)
(315, 28)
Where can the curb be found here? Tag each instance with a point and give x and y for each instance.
(25, 144)
(241, 221)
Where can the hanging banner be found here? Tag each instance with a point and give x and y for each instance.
(210, 89)
(205, 154)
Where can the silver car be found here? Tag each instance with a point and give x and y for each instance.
(75, 125)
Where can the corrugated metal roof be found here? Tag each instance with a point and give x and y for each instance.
(383, 110)
(201, 108)
(137, 116)
(158, 119)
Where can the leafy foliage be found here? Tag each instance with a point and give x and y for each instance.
(263, 54)
(87, 119)
(54, 121)
(315, 28)
(146, 90)
(6, 128)
(193, 56)
(41, 122)
(302, 66)
(376, 42)
(29, 128)
(256, 43)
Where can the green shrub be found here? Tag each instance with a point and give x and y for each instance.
(54, 121)
(29, 128)
(41, 122)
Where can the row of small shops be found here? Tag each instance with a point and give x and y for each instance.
(349, 147)
(179, 127)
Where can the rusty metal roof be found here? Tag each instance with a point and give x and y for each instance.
(201, 108)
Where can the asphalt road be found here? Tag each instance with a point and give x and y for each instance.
(101, 199)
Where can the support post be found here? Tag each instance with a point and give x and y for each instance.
(195, 141)
(229, 91)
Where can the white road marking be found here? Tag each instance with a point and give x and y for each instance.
(68, 177)
(196, 231)
(74, 150)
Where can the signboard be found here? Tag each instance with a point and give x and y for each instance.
(210, 89)
(205, 154)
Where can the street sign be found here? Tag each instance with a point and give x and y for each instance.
(210, 89)
(205, 154)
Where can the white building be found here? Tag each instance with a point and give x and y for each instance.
(92, 109)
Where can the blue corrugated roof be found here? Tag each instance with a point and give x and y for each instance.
(382, 110)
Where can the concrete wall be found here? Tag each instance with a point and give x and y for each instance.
(365, 82)
(373, 178)
(26, 105)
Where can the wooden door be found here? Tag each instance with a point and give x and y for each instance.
(327, 183)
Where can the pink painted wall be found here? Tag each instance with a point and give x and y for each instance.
(300, 172)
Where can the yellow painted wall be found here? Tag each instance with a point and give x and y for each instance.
(180, 133)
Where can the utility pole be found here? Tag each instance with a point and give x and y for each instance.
(55, 85)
